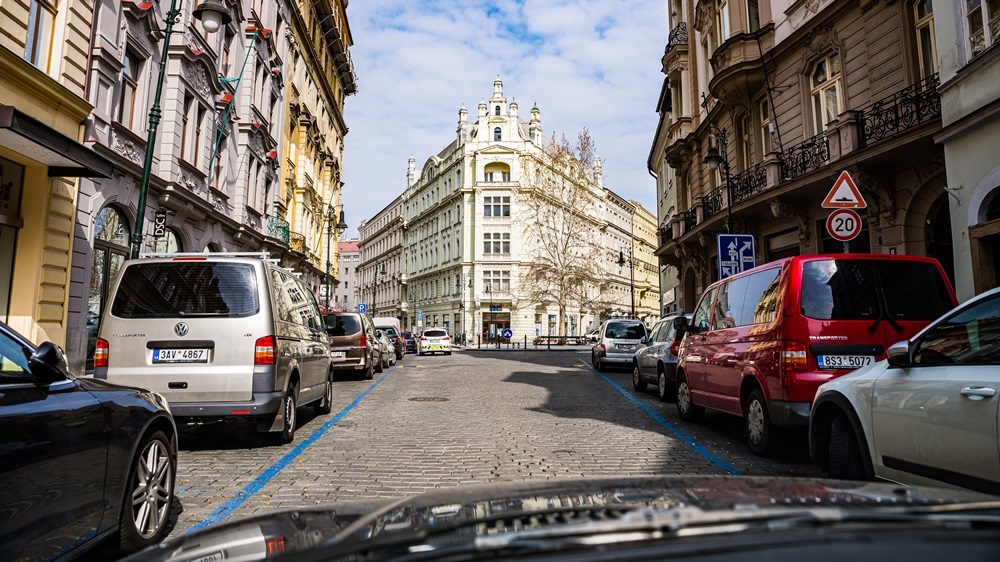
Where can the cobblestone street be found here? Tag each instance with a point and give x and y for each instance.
(471, 417)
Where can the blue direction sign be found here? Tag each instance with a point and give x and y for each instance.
(362, 307)
(507, 333)
(420, 317)
(736, 254)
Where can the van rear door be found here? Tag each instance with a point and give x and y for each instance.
(187, 328)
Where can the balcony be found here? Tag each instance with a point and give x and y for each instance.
(739, 72)
(666, 234)
(908, 108)
(712, 203)
(690, 218)
(810, 154)
(748, 183)
(678, 36)
(676, 53)
(277, 227)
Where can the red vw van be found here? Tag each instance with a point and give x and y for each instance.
(760, 343)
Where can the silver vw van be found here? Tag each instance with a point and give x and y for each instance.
(224, 337)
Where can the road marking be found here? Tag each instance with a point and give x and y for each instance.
(678, 433)
(253, 487)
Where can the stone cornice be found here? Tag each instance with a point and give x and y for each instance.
(36, 84)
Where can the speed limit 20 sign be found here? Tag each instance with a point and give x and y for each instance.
(843, 224)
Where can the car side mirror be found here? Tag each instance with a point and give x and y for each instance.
(681, 325)
(48, 363)
(898, 354)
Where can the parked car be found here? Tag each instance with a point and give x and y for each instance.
(434, 340)
(81, 460)
(398, 345)
(224, 337)
(593, 335)
(656, 360)
(927, 414)
(617, 342)
(760, 343)
(352, 344)
(387, 353)
(410, 342)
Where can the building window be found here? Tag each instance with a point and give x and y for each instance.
(496, 206)
(186, 129)
(41, 24)
(825, 83)
(130, 81)
(505, 176)
(753, 16)
(923, 16)
(496, 134)
(488, 176)
(765, 127)
(744, 133)
(721, 21)
(496, 110)
(496, 243)
(982, 37)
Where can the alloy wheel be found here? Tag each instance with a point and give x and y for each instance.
(755, 422)
(152, 490)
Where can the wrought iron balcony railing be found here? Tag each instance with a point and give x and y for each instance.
(678, 36)
(810, 154)
(690, 219)
(666, 234)
(712, 202)
(748, 183)
(277, 227)
(905, 109)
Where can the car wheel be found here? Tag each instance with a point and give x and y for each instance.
(378, 365)
(637, 383)
(597, 363)
(759, 431)
(686, 409)
(662, 388)
(369, 372)
(846, 461)
(289, 404)
(149, 495)
(325, 405)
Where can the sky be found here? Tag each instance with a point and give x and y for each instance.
(591, 64)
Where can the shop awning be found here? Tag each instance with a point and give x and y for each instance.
(64, 156)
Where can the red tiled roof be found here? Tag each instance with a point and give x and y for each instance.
(347, 247)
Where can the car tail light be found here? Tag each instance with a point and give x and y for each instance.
(275, 545)
(793, 358)
(423, 339)
(263, 353)
(364, 342)
(446, 338)
(101, 353)
(675, 347)
(604, 349)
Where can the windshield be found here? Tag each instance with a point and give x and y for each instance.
(179, 289)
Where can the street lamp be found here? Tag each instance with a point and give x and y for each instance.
(715, 158)
(331, 214)
(631, 277)
(212, 15)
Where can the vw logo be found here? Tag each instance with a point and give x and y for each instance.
(181, 329)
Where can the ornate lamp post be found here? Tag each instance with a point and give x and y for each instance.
(715, 158)
(331, 214)
(213, 15)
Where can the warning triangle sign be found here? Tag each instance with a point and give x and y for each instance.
(844, 195)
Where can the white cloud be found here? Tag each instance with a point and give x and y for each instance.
(586, 63)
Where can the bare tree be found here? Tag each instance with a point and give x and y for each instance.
(560, 223)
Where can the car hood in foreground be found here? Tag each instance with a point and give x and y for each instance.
(496, 511)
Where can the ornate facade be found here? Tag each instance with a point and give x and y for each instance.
(795, 93)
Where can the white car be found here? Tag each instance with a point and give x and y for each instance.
(434, 340)
(928, 414)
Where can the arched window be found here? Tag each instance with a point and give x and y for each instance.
(111, 238)
(826, 91)
(497, 134)
(169, 243)
(496, 111)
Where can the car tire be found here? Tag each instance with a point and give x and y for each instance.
(598, 364)
(378, 365)
(447, 353)
(637, 383)
(369, 372)
(846, 461)
(662, 387)
(149, 496)
(325, 405)
(760, 433)
(289, 407)
(686, 409)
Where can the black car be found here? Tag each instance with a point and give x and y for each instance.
(411, 344)
(81, 460)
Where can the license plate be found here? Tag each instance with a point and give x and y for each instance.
(336, 354)
(843, 361)
(180, 356)
(625, 346)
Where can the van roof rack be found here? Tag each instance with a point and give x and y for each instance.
(262, 255)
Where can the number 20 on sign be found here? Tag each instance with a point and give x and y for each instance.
(843, 224)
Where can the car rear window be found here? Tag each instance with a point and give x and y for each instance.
(343, 325)
(435, 333)
(186, 289)
(623, 331)
(848, 289)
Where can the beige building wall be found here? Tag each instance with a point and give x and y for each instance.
(42, 107)
(647, 275)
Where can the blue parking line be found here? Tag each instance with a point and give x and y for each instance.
(678, 433)
(253, 487)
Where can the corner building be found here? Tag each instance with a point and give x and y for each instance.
(468, 251)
